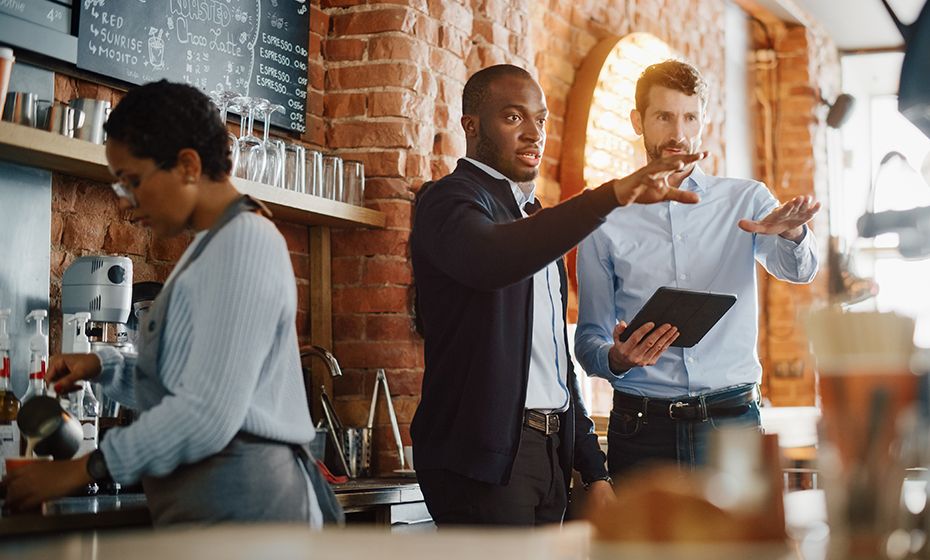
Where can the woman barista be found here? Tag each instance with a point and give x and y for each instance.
(224, 419)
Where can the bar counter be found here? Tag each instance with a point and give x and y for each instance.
(572, 542)
(383, 501)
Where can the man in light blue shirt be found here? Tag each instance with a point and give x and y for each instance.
(666, 399)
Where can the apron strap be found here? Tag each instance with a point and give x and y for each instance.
(244, 203)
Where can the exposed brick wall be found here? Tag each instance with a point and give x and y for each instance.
(85, 221)
(564, 31)
(806, 65)
(418, 53)
(385, 82)
(394, 75)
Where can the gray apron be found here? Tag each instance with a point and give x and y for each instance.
(252, 478)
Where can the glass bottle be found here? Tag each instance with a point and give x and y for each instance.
(9, 404)
(38, 362)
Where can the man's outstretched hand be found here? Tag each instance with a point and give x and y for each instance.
(649, 184)
(787, 220)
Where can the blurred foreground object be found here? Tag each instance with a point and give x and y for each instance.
(739, 499)
(914, 89)
(868, 392)
(844, 285)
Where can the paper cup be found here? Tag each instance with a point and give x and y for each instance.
(6, 69)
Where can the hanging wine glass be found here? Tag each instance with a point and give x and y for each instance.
(223, 99)
(251, 148)
(274, 148)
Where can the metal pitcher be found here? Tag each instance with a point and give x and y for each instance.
(20, 108)
(358, 451)
(55, 431)
(96, 112)
(62, 119)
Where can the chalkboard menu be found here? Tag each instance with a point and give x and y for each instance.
(255, 47)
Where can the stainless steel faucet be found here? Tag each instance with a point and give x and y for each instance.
(331, 364)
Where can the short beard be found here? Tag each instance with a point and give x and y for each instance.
(488, 152)
(656, 152)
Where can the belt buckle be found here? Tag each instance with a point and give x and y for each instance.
(546, 416)
(672, 407)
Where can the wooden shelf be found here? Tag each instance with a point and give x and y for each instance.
(39, 148)
(301, 208)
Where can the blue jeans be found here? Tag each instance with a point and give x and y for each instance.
(635, 438)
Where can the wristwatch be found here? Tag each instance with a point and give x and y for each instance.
(97, 467)
(606, 479)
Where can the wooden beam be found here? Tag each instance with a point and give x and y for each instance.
(321, 314)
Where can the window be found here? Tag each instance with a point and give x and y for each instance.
(876, 132)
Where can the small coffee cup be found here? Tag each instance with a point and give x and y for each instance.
(13, 463)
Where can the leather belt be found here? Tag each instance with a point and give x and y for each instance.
(547, 423)
(731, 401)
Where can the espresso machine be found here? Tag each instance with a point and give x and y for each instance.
(96, 302)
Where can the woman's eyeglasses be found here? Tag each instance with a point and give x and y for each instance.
(127, 188)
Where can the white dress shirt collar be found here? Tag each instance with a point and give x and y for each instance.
(522, 197)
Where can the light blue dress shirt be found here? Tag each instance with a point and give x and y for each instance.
(547, 388)
(695, 247)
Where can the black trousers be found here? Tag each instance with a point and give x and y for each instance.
(535, 495)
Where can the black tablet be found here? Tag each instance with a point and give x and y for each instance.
(693, 313)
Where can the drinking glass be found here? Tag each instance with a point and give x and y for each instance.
(332, 178)
(353, 182)
(295, 164)
(251, 148)
(223, 99)
(274, 148)
(314, 173)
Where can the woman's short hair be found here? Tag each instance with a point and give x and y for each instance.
(159, 119)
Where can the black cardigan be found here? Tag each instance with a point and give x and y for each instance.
(474, 257)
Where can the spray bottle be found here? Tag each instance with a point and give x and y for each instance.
(38, 357)
(82, 403)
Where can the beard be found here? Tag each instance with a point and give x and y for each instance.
(655, 151)
(488, 152)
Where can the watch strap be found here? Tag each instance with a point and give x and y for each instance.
(97, 467)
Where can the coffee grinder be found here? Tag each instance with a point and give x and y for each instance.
(102, 286)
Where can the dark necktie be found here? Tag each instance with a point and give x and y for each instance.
(532, 207)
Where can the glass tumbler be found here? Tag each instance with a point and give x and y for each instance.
(353, 182)
(332, 178)
(295, 168)
(314, 173)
